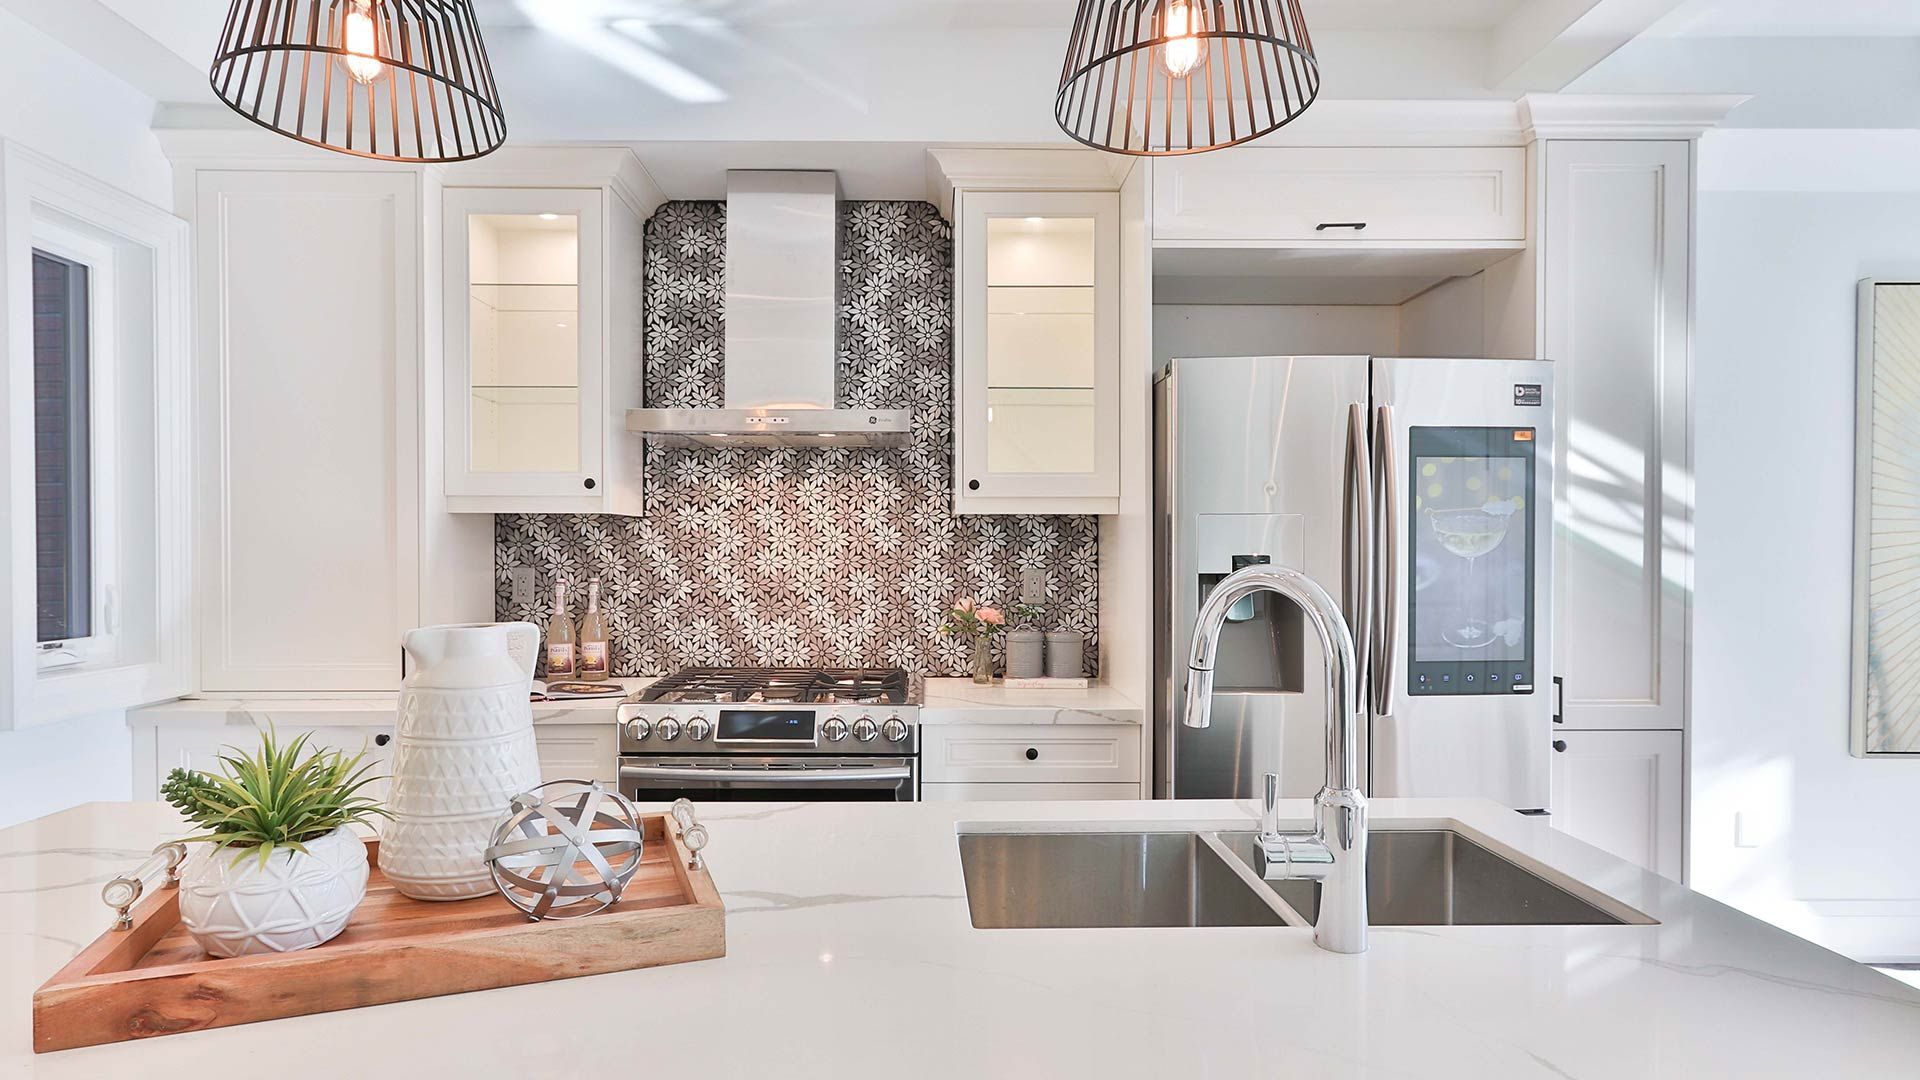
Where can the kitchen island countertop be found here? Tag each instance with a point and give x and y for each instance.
(850, 954)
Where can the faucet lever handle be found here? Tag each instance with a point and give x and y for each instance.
(1270, 805)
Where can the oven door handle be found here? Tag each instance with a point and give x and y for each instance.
(761, 776)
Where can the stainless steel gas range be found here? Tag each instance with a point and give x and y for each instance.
(772, 735)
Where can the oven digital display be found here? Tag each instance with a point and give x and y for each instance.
(765, 725)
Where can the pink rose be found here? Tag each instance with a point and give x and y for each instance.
(965, 603)
(992, 616)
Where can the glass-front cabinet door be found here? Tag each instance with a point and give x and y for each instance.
(524, 342)
(1038, 427)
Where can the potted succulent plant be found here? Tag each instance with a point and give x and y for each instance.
(283, 868)
(976, 622)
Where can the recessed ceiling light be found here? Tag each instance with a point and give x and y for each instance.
(549, 217)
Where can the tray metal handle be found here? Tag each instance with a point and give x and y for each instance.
(123, 892)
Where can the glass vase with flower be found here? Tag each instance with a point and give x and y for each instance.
(976, 623)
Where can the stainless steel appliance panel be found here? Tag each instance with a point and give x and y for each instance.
(1258, 459)
(1461, 687)
(769, 778)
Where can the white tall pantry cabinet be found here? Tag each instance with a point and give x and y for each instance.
(313, 524)
(1608, 280)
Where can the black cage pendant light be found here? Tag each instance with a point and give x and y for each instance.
(398, 80)
(1166, 77)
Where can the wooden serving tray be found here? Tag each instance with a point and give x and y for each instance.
(153, 980)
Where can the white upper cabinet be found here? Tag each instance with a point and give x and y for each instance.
(1262, 194)
(1037, 428)
(309, 363)
(535, 378)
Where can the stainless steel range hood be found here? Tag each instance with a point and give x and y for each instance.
(783, 328)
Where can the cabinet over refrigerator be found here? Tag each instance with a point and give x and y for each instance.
(1420, 491)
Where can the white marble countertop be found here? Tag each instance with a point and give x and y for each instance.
(943, 701)
(850, 954)
(963, 701)
(294, 711)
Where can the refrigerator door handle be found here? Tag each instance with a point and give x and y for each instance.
(1357, 536)
(1386, 619)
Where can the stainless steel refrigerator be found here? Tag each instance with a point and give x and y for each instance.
(1417, 491)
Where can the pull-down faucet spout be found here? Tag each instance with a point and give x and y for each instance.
(1335, 852)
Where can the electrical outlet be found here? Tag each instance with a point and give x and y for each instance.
(1033, 585)
(521, 580)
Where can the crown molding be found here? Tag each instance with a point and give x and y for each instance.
(1393, 122)
(1016, 168)
(1624, 116)
(616, 167)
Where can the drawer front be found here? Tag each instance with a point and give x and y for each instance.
(1026, 792)
(1411, 193)
(199, 747)
(1016, 753)
(578, 752)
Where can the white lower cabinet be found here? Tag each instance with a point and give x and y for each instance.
(1621, 791)
(578, 752)
(1029, 761)
(1025, 792)
(196, 746)
(567, 751)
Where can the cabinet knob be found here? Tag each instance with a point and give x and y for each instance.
(1033, 753)
(1559, 746)
(382, 739)
(589, 483)
(973, 485)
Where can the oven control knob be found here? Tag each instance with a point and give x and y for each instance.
(865, 729)
(834, 729)
(638, 729)
(698, 729)
(669, 729)
(895, 729)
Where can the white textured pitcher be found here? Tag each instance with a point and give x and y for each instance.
(463, 750)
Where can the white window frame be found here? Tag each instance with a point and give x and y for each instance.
(142, 648)
(98, 647)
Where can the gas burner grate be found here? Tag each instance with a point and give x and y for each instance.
(880, 686)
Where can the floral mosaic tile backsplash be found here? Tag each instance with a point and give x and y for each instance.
(803, 556)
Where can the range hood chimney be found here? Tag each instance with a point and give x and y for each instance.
(783, 328)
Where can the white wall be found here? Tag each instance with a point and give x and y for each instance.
(1272, 330)
(1835, 837)
(55, 102)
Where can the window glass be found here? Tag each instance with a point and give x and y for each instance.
(62, 533)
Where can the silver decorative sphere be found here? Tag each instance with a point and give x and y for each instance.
(566, 849)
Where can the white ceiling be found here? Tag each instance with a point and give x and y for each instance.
(987, 14)
(189, 27)
(1791, 18)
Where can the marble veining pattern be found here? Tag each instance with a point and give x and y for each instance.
(803, 556)
(860, 910)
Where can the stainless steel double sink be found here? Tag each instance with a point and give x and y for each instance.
(1423, 877)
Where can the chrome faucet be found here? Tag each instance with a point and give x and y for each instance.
(1335, 852)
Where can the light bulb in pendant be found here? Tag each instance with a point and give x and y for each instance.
(360, 37)
(1182, 52)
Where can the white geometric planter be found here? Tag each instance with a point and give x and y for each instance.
(235, 905)
(463, 749)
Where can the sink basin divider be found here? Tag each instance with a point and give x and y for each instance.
(1253, 881)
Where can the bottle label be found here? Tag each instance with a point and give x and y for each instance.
(593, 657)
(559, 658)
